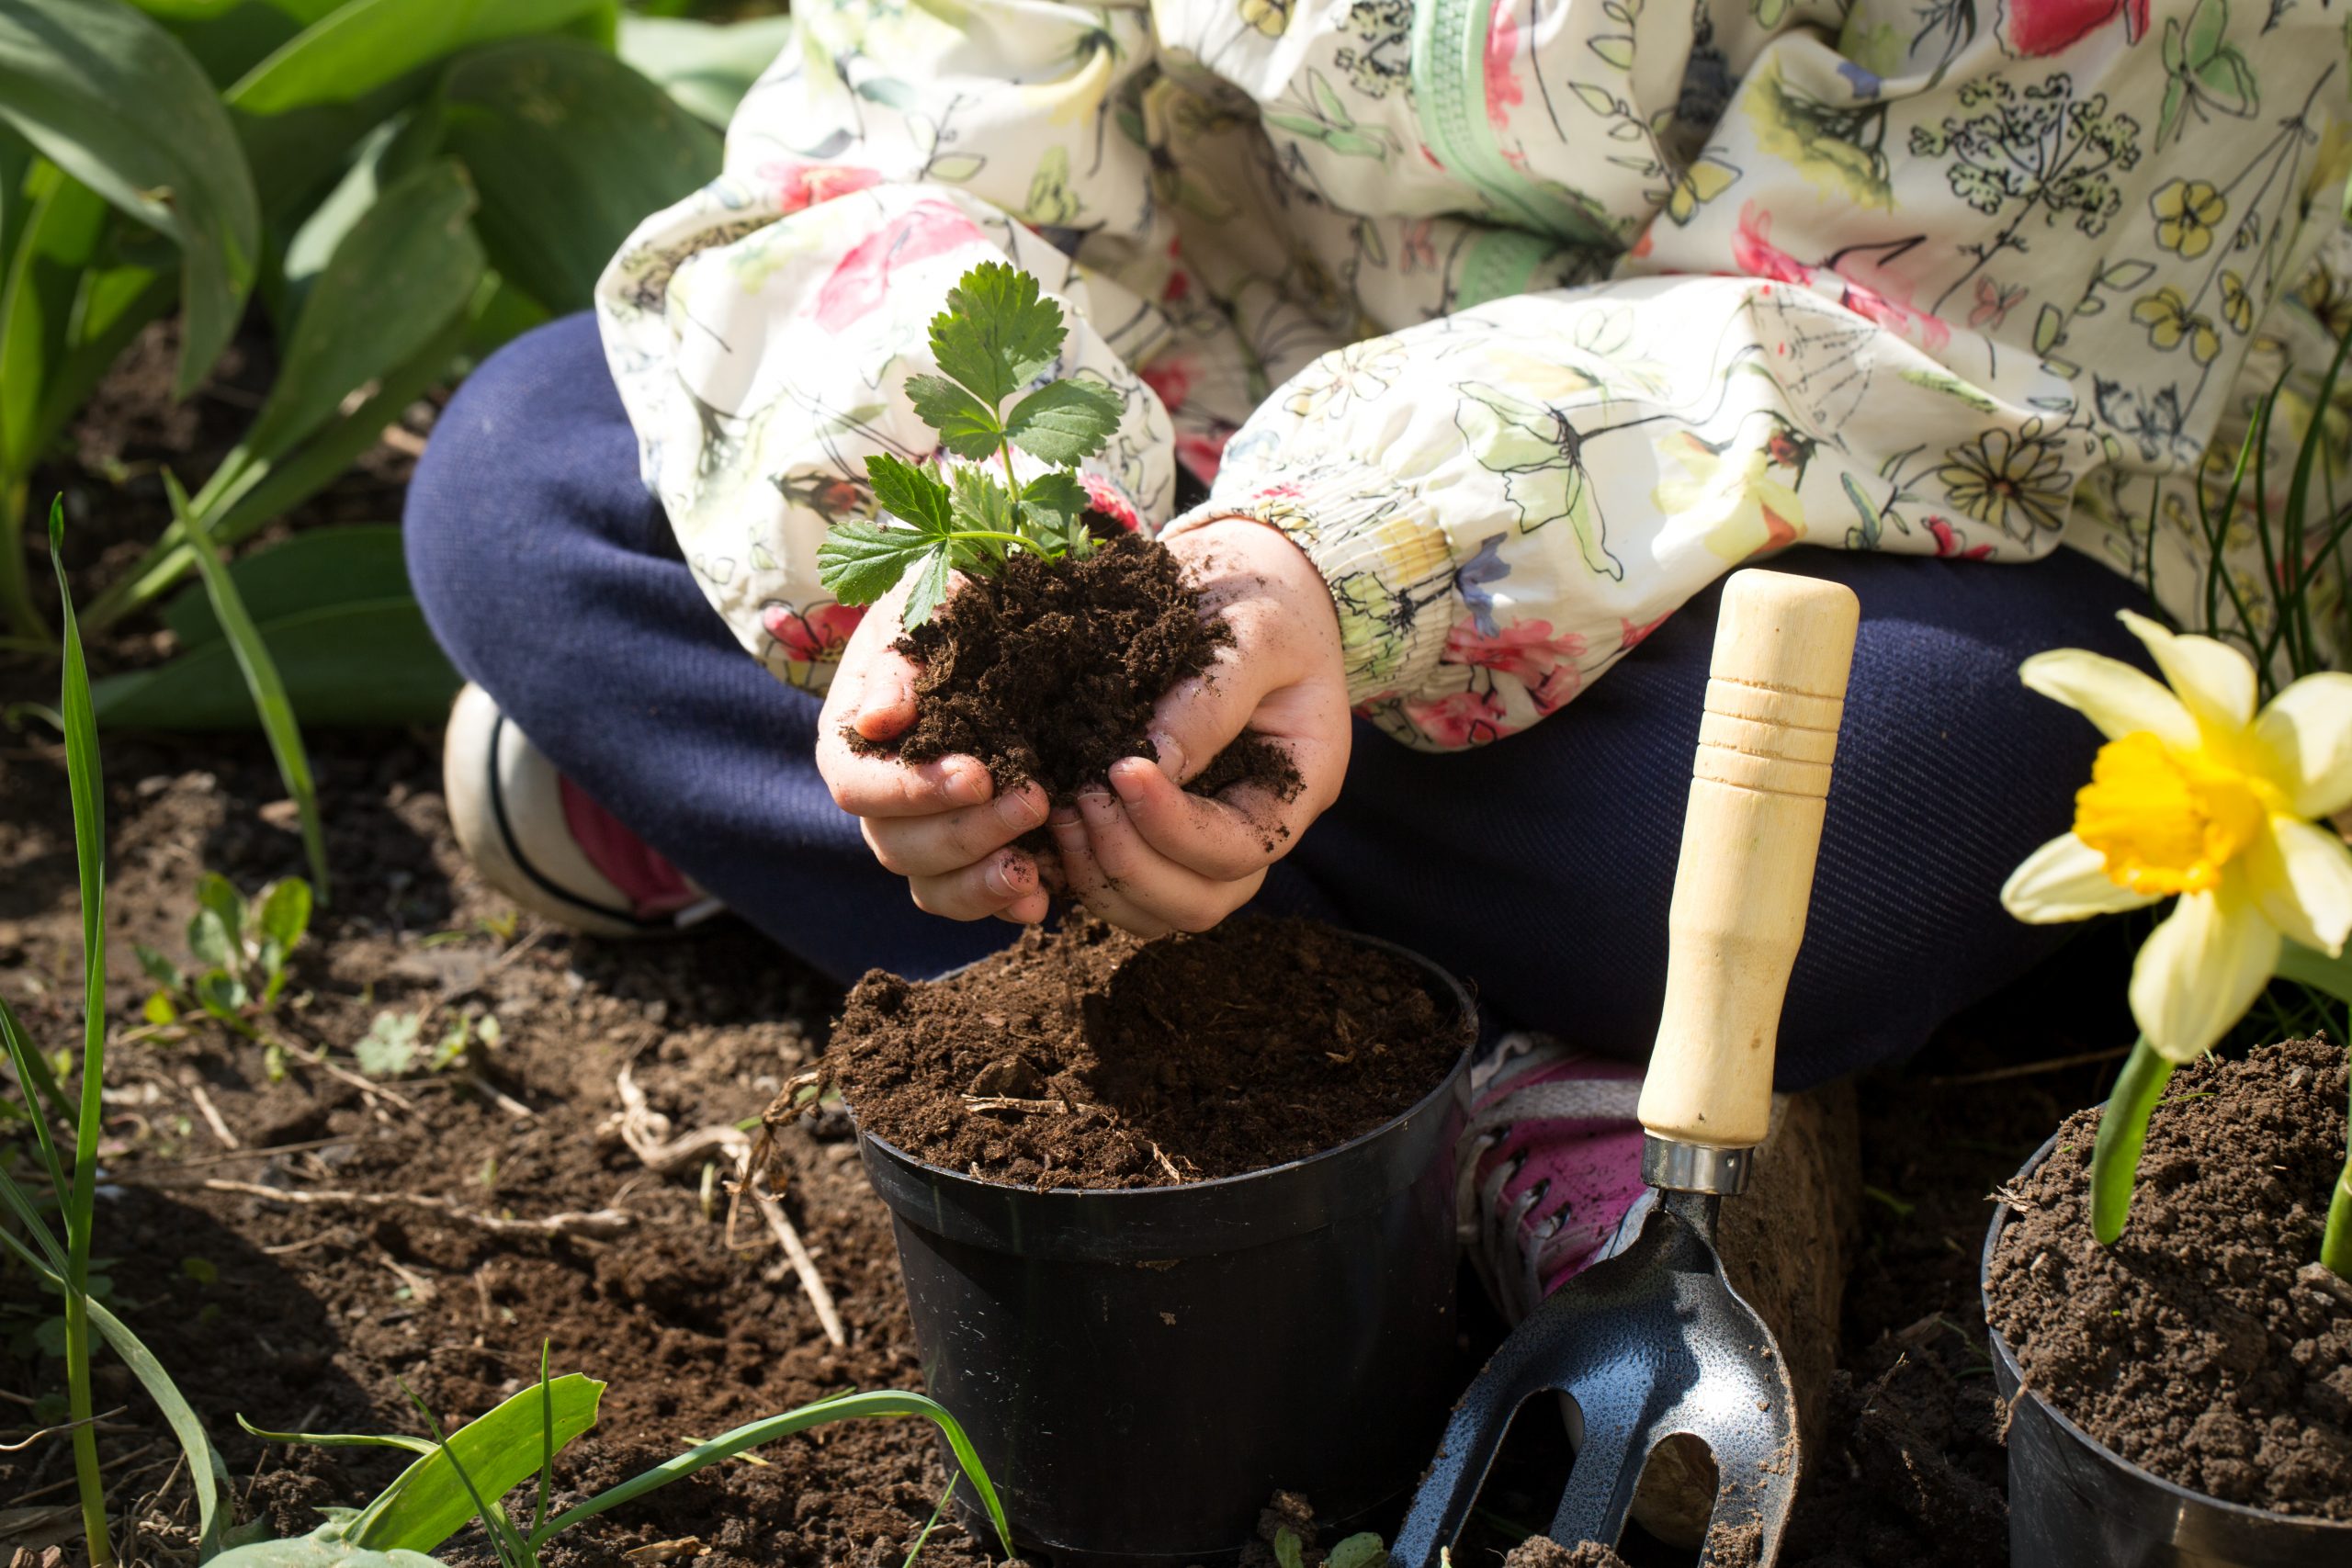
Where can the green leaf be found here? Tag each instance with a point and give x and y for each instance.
(427, 1503)
(388, 1048)
(341, 564)
(931, 582)
(1065, 421)
(1364, 1550)
(912, 495)
(2047, 323)
(966, 426)
(205, 1469)
(262, 679)
(223, 997)
(707, 67)
(158, 968)
(1058, 493)
(343, 1439)
(859, 561)
(2230, 83)
(373, 664)
(120, 103)
(2122, 1132)
(322, 1548)
(982, 503)
(2206, 25)
(216, 894)
(1286, 1549)
(404, 269)
(956, 167)
(160, 1010)
(283, 912)
(997, 334)
(396, 148)
(1617, 49)
(570, 149)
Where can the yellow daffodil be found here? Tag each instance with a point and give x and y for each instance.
(2198, 796)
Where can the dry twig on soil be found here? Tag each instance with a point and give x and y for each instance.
(602, 1222)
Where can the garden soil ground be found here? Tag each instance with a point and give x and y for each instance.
(2191, 1347)
(305, 1315)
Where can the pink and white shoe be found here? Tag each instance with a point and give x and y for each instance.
(538, 838)
(1549, 1167)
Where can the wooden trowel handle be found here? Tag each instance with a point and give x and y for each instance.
(1784, 646)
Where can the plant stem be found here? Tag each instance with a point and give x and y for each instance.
(2335, 1242)
(2123, 1133)
(18, 611)
(80, 1409)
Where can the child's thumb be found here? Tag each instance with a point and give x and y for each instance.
(1201, 716)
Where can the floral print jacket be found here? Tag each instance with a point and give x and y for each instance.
(1526, 318)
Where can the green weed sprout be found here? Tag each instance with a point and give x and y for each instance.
(995, 337)
(241, 947)
(461, 1476)
(64, 1266)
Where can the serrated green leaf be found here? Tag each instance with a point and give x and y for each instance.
(1065, 421)
(966, 426)
(930, 587)
(860, 561)
(912, 495)
(388, 1048)
(983, 503)
(997, 334)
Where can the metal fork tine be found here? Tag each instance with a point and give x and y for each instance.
(1600, 1489)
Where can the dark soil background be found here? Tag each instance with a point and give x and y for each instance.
(304, 1315)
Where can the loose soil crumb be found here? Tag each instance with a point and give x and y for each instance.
(1050, 673)
(1737, 1545)
(2190, 1347)
(1103, 1060)
(1543, 1552)
(1287, 1511)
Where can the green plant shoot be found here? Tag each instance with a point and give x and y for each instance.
(996, 337)
(2123, 1133)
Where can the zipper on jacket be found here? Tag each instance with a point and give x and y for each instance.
(1448, 75)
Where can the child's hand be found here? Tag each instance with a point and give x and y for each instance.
(940, 825)
(1146, 856)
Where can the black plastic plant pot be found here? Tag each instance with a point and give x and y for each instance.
(2073, 1503)
(1140, 1369)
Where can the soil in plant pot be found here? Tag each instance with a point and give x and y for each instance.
(1050, 673)
(1543, 1552)
(2191, 1347)
(1082, 1056)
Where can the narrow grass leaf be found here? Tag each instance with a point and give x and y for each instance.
(343, 1439)
(929, 1524)
(261, 680)
(32, 1071)
(87, 790)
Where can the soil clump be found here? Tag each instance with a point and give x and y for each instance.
(2192, 1348)
(1050, 673)
(1543, 1552)
(1082, 1056)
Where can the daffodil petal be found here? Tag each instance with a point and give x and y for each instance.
(2302, 877)
(2307, 732)
(2214, 681)
(2066, 879)
(2201, 970)
(2119, 699)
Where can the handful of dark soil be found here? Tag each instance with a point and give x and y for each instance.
(1083, 1056)
(2198, 1346)
(1049, 670)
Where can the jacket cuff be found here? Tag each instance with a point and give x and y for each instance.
(1388, 562)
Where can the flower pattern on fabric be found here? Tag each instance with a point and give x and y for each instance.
(1527, 321)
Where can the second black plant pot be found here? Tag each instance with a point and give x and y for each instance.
(2075, 1503)
(1140, 1369)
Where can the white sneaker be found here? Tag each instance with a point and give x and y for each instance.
(538, 838)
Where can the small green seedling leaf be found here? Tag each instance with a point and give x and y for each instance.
(213, 940)
(1364, 1550)
(159, 1009)
(452, 1044)
(283, 912)
(158, 968)
(224, 996)
(203, 1271)
(930, 587)
(388, 1048)
(997, 334)
(1063, 421)
(1286, 1549)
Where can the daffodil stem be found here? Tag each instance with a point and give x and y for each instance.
(2123, 1133)
(2335, 1242)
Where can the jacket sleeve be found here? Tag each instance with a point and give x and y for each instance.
(1909, 291)
(760, 331)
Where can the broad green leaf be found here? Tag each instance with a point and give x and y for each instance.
(54, 242)
(859, 561)
(228, 37)
(1060, 493)
(966, 426)
(209, 941)
(1286, 1549)
(283, 915)
(158, 968)
(1065, 421)
(224, 996)
(570, 150)
(371, 664)
(322, 1548)
(706, 66)
(396, 148)
(996, 335)
(399, 275)
(262, 679)
(426, 1504)
(913, 495)
(120, 103)
(216, 895)
(353, 563)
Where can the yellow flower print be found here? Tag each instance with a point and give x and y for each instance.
(1362, 372)
(2188, 212)
(2017, 483)
(2237, 303)
(1731, 499)
(1270, 17)
(2168, 319)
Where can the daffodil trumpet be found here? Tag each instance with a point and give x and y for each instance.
(2198, 798)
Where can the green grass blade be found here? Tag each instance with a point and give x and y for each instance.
(261, 680)
(342, 1440)
(20, 1203)
(929, 1524)
(853, 1406)
(2123, 1133)
(42, 1096)
(547, 1443)
(493, 1521)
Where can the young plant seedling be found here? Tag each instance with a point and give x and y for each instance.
(996, 337)
(241, 948)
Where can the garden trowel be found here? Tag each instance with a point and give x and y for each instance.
(1653, 1342)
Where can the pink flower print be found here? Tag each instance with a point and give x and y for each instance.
(1171, 376)
(1463, 718)
(1948, 542)
(1526, 651)
(1754, 254)
(801, 185)
(1417, 247)
(2036, 28)
(1630, 636)
(1888, 302)
(857, 285)
(814, 635)
(1503, 92)
(1103, 496)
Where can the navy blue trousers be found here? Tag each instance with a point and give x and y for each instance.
(1538, 868)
